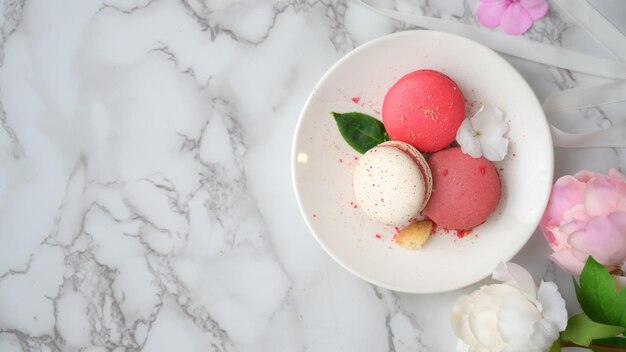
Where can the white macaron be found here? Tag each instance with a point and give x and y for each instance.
(392, 183)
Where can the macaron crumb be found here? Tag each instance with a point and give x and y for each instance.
(415, 235)
(463, 233)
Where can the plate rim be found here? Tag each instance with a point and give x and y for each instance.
(329, 72)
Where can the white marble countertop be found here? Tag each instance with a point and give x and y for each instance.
(145, 187)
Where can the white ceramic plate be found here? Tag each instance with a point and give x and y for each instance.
(323, 163)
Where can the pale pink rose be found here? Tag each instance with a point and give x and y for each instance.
(514, 16)
(586, 216)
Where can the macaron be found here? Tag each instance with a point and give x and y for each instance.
(392, 182)
(466, 190)
(425, 109)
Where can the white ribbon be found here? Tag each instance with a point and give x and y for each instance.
(572, 99)
(615, 42)
(614, 137)
(596, 24)
(580, 98)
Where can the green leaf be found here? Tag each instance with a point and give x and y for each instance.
(362, 132)
(581, 330)
(594, 290)
(609, 344)
(598, 295)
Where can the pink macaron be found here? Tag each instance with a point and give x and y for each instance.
(425, 109)
(466, 190)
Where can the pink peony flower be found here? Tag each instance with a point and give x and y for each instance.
(514, 16)
(586, 215)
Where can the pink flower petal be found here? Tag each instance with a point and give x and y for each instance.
(567, 261)
(558, 236)
(489, 13)
(516, 20)
(569, 228)
(546, 224)
(614, 173)
(604, 238)
(577, 213)
(536, 8)
(548, 233)
(579, 254)
(621, 202)
(585, 175)
(566, 193)
(601, 196)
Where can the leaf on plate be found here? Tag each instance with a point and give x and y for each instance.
(599, 297)
(581, 330)
(362, 132)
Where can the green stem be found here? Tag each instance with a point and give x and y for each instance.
(594, 346)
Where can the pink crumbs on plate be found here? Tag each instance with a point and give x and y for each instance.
(463, 233)
(356, 100)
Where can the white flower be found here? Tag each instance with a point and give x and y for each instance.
(482, 134)
(512, 316)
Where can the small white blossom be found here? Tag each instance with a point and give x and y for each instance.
(483, 134)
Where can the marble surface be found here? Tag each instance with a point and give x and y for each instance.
(145, 187)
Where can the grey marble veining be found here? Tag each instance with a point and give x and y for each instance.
(145, 188)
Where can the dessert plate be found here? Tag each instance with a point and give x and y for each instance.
(323, 163)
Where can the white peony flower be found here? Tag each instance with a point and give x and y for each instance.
(512, 316)
(483, 134)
